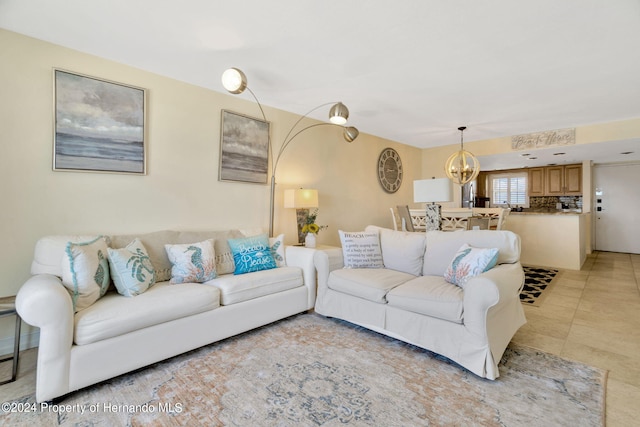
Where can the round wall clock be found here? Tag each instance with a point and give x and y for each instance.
(390, 170)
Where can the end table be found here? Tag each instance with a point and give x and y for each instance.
(8, 308)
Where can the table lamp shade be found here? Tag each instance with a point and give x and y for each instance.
(301, 198)
(432, 190)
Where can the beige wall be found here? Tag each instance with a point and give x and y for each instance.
(181, 189)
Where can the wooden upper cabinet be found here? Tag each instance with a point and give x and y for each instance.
(573, 180)
(536, 182)
(563, 180)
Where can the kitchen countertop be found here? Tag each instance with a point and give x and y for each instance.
(546, 212)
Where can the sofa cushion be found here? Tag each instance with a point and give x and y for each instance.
(429, 295)
(401, 250)
(361, 249)
(469, 262)
(370, 284)
(238, 288)
(85, 271)
(131, 269)
(192, 262)
(115, 315)
(442, 247)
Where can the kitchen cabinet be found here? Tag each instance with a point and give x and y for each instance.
(563, 180)
(536, 182)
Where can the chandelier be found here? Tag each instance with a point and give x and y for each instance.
(462, 166)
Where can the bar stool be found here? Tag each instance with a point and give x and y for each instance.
(8, 308)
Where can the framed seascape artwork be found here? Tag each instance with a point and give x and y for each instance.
(99, 125)
(244, 148)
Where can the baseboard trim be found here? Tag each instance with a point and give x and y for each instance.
(27, 340)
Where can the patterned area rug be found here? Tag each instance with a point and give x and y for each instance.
(308, 370)
(536, 281)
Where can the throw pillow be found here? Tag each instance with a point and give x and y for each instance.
(192, 262)
(131, 269)
(85, 271)
(361, 249)
(277, 249)
(469, 262)
(251, 254)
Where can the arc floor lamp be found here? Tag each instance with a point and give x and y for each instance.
(235, 82)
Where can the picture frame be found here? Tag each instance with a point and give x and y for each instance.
(99, 125)
(244, 148)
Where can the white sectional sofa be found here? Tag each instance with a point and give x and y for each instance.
(117, 334)
(409, 299)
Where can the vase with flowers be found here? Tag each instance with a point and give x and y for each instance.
(311, 229)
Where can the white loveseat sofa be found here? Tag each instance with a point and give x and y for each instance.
(118, 334)
(410, 300)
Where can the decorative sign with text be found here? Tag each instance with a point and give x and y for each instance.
(544, 139)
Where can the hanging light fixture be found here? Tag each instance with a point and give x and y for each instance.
(462, 167)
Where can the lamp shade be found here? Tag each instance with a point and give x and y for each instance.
(350, 133)
(339, 114)
(234, 80)
(301, 198)
(432, 190)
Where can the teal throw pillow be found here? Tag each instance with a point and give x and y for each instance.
(131, 269)
(469, 262)
(85, 271)
(252, 254)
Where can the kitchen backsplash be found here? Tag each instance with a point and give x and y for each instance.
(550, 202)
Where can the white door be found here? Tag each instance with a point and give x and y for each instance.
(617, 207)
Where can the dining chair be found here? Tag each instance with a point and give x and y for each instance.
(394, 219)
(405, 218)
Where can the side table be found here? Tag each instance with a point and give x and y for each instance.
(8, 308)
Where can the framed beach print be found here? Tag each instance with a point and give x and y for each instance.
(99, 125)
(244, 148)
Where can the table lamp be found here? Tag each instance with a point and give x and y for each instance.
(301, 199)
(433, 191)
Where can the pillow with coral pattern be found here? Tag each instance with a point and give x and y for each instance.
(192, 262)
(131, 269)
(469, 262)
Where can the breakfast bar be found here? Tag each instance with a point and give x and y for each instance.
(554, 239)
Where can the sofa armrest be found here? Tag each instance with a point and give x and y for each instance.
(491, 290)
(326, 261)
(299, 256)
(43, 301)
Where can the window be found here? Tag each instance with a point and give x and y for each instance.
(509, 189)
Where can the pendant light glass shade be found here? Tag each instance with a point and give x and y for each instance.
(462, 167)
(234, 80)
(339, 114)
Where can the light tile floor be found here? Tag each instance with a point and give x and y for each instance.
(591, 315)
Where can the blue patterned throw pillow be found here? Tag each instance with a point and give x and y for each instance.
(131, 269)
(252, 254)
(469, 262)
(192, 262)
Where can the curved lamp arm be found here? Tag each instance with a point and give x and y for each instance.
(235, 81)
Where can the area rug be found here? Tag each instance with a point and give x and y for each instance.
(308, 370)
(537, 280)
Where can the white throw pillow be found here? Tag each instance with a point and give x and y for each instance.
(361, 249)
(131, 269)
(85, 271)
(192, 262)
(469, 262)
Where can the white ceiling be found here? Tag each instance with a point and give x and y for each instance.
(411, 71)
